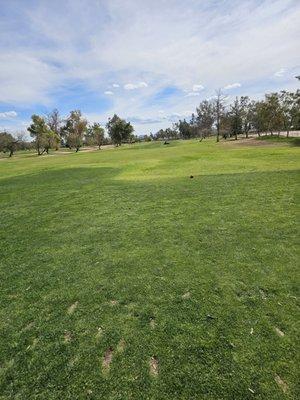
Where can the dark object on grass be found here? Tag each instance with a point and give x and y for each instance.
(191, 176)
(166, 142)
(210, 316)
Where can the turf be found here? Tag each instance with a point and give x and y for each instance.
(114, 260)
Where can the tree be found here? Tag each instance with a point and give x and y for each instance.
(54, 122)
(95, 135)
(119, 130)
(247, 114)
(273, 113)
(290, 108)
(8, 143)
(219, 109)
(185, 129)
(205, 117)
(74, 130)
(39, 130)
(235, 116)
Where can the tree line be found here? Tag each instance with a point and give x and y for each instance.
(52, 132)
(275, 113)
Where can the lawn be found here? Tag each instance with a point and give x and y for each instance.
(123, 278)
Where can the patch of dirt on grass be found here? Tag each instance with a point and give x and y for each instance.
(263, 294)
(73, 361)
(186, 295)
(152, 323)
(99, 333)
(252, 141)
(67, 337)
(72, 308)
(279, 332)
(29, 326)
(153, 364)
(107, 359)
(283, 385)
(121, 346)
(114, 302)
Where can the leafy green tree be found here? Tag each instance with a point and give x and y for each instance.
(205, 118)
(273, 113)
(74, 130)
(290, 108)
(40, 132)
(8, 143)
(185, 129)
(95, 135)
(235, 115)
(119, 130)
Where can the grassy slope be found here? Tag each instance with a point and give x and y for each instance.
(126, 233)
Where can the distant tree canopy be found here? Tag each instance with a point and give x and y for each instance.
(277, 112)
(119, 130)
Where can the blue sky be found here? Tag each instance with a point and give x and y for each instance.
(149, 61)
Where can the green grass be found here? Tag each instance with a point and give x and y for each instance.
(129, 238)
(294, 141)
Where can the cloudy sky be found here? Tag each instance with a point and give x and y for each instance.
(150, 61)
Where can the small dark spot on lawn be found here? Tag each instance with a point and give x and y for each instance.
(107, 359)
(210, 317)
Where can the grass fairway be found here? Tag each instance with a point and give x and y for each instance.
(122, 278)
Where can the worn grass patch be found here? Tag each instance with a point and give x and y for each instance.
(122, 278)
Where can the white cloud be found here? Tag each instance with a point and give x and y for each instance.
(192, 94)
(109, 92)
(280, 72)
(115, 85)
(132, 86)
(232, 86)
(8, 114)
(197, 88)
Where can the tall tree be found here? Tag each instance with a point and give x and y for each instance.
(119, 130)
(290, 107)
(54, 122)
(205, 117)
(8, 143)
(235, 115)
(74, 130)
(39, 131)
(273, 112)
(185, 129)
(95, 135)
(219, 108)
